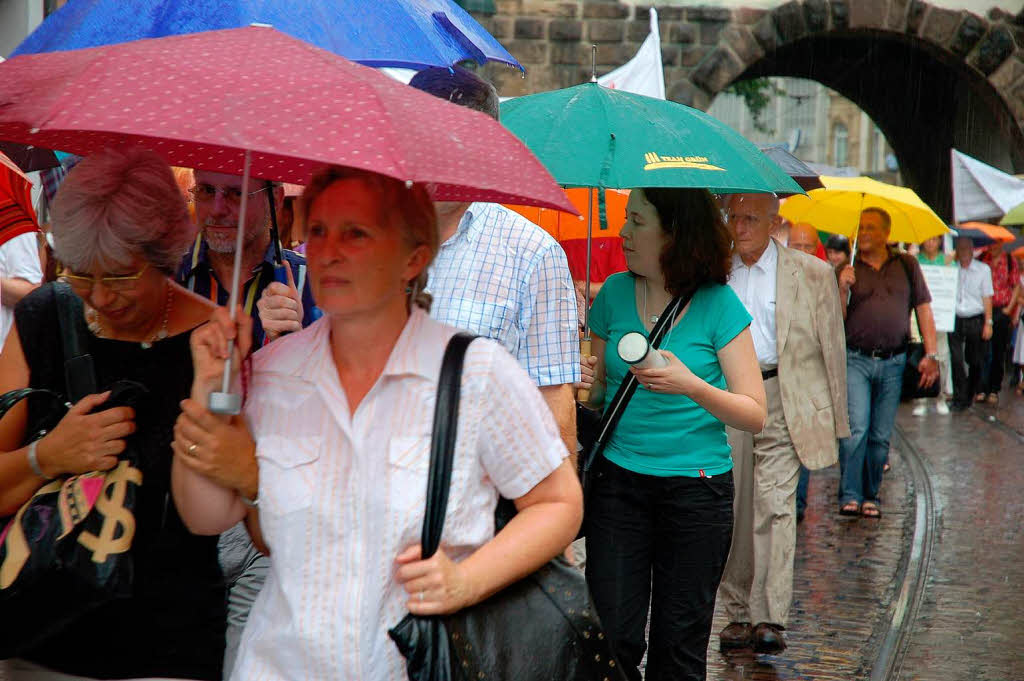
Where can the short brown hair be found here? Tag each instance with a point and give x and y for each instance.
(459, 86)
(406, 206)
(886, 219)
(697, 251)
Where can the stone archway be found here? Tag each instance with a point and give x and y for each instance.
(930, 77)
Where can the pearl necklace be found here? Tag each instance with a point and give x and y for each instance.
(96, 327)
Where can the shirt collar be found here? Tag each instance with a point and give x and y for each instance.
(766, 263)
(469, 225)
(199, 255)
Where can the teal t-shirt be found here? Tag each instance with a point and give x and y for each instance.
(659, 434)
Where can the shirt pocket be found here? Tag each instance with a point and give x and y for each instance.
(288, 471)
(488, 318)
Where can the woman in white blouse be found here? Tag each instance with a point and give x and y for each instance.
(339, 416)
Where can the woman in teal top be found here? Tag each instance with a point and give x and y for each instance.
(659, 514)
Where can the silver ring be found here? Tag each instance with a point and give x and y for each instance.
(191, 451)
(421, 596)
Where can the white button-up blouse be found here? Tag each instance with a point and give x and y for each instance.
(342, 494)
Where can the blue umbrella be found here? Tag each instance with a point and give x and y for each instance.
(402, 33)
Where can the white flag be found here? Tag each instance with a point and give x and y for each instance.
(643, 74)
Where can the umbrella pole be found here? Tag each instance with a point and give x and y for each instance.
(226, 402)
(585, 344)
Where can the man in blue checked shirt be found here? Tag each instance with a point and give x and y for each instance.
(499, 275)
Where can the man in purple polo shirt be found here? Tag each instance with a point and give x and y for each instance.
(879, 291)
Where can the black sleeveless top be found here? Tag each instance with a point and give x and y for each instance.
(174, 624)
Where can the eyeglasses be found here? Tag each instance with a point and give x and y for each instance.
(204, 193)
(84, 285)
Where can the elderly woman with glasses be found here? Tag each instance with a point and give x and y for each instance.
(120, 226)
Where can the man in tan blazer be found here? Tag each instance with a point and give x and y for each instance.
(801, 345)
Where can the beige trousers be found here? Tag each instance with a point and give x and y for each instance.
(758, 582)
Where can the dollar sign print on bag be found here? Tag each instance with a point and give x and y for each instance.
(118, 522)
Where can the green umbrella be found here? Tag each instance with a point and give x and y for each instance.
(593, 136)
(1014, 217)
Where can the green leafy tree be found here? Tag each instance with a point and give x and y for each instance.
(757, 94)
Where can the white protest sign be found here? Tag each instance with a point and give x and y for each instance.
(942, 284)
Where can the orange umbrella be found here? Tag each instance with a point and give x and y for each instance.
(565, 227)
(994, 232)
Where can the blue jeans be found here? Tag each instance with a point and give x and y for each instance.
(873, 395)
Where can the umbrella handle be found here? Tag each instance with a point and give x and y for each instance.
(583, 395)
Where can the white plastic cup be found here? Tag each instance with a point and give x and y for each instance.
(634, 349)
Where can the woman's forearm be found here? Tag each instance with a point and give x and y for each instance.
(733, 409)
(532, 538)
(205, 507)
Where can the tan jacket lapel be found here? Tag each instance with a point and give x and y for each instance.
(785, 295)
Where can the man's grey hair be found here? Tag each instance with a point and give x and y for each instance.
(773, 207)
(118, 205)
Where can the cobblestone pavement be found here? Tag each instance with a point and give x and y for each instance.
(969, 622)
(844, 580)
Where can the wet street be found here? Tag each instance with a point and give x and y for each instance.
(875, 601)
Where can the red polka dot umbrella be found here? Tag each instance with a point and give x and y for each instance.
(202, 100)
(253, 101)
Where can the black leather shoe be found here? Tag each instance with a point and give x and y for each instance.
(768, 639)
(736, 636)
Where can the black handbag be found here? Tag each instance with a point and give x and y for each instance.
(543, 627)
(911, 388)
(65, 551)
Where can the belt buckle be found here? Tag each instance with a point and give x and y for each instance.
(876, 354)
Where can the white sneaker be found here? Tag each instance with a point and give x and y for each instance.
(941, 407)
(920, 410)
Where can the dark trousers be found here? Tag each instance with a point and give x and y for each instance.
(657, 543)
(999, 347)
(801, 491)
(966, 353)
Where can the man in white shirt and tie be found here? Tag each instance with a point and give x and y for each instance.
(973, 326)
(798, 335)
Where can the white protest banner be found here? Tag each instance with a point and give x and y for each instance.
(643, 74)
(942, 284)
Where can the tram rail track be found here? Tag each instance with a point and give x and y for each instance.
(913, 574)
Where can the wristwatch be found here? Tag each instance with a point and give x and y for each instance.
(932, 356)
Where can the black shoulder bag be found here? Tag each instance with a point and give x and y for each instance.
(594, 430)
(543, 627)
(915, 353)
(65, 551)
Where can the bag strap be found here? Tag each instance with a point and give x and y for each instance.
(910, 290)
(79, 372)
(626, 389)
(442, 442)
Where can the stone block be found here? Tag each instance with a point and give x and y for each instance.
(711, 31)
(766, 35)
(548, 8)
(840, 14)
(899, 12)
(705, 13)
(816, 15)
(670, 55)
(743, 43)
(1009, 73)
(685, 92)
(565, 29)
(570, 53)
(747, 15)
(940, 25)
(501, 27)
(995, 48)
(614, 55)
(789, 21)
(691, 56)
(643, 13)
(683, 34)
(717, 70)
(1016, 102)
(605, 10)
(528, 28)
(868, 13)
(508, 7)
(969, 33)
(636, 31)
(605, 31)
(528, 51)
(915, 15)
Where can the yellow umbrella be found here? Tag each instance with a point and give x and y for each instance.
(837, 207)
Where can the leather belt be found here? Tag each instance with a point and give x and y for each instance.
(769, 373)
(877, 353)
